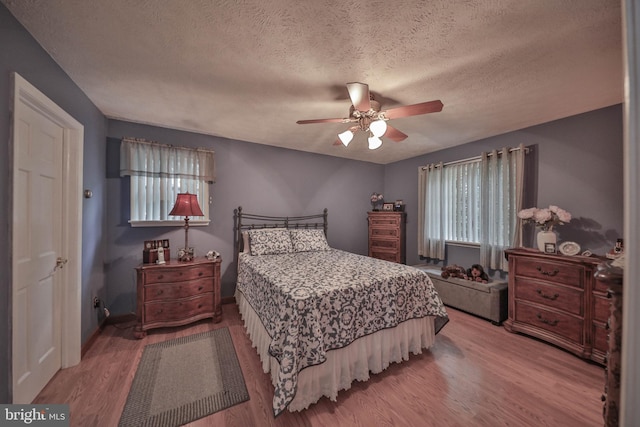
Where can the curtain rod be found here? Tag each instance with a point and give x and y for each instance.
(478, 158)
(145, 141)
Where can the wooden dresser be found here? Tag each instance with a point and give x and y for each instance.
(613, 277)
(556, 298)
(177, 293)
(387, 238)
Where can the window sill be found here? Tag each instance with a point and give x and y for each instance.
(462, 244)
(170, 223)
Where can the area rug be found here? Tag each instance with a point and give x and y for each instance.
(181, 380)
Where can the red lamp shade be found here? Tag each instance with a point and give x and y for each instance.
(186, 205)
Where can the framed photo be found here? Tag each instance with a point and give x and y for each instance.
(387, 206)
(550, 248)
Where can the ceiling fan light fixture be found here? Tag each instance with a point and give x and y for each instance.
(378, 128)
(374, 142)
(346, 137)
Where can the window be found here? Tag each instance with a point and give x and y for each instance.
(474, 201)
(158, 173)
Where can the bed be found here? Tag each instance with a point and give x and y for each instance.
(321, 318)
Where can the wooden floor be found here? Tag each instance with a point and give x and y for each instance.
(476, 374)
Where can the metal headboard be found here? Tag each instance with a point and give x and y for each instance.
(245, 221)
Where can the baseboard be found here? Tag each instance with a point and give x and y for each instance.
(228, 300)
(111, 320)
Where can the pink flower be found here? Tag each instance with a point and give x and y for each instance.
(545, 217)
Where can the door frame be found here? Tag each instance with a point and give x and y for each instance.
(27, 95)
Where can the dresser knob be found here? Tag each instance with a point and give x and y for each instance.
(199, 305)
(160, 277)
(159, 292)
(547, 321)
(548, 273)
(200, 273)
(603, 398)
(550, 297)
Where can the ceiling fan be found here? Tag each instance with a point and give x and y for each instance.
(366, 114)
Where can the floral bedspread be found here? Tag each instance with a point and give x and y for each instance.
(313, 302)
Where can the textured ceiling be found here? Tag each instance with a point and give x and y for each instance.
(248, 69)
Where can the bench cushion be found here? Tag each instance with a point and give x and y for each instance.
(487, 300)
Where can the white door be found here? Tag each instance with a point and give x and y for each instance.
(40, 246)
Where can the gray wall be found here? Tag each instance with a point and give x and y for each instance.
(579, 168)
(22, 54)
(261, 179)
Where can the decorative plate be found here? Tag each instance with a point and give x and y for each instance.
(569, 248)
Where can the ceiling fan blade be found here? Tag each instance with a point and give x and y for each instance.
(395, 134)
(359, 94)
(414, 110)
(306, 122)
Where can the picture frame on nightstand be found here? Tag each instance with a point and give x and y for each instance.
(387, 207)
(549, 248)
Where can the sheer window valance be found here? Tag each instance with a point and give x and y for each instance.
(145, 158)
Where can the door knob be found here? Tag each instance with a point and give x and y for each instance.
(60, 262)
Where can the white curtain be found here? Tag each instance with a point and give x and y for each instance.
(159, 172)
(502, 179)
(472, 201)
(431, 242)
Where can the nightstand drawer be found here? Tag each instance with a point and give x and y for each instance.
(172, 275)
(558, 323)
(177, 310)
(563, 298)
(177, 290)
(566, 274)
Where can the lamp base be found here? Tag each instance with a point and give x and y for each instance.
(187, 254)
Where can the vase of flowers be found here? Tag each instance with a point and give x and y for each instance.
(376, 201)
(545, 219)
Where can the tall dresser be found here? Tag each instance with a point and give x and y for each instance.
(556, 298)
(387, 238)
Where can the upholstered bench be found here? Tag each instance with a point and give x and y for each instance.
(487, 300)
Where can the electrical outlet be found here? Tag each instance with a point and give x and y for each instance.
(96, 302)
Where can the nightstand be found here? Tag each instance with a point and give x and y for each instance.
(177, 293)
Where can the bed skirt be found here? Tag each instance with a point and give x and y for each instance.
(372, 353)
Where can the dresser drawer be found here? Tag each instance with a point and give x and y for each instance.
(383, 232)
(566, 274)
(172, 275)
(384, 244)
(384, 220)
(601, 307)
(384, 255)
(560, 324)
(601, 338)
(563, 298)
(177, 290)
(177, 310)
